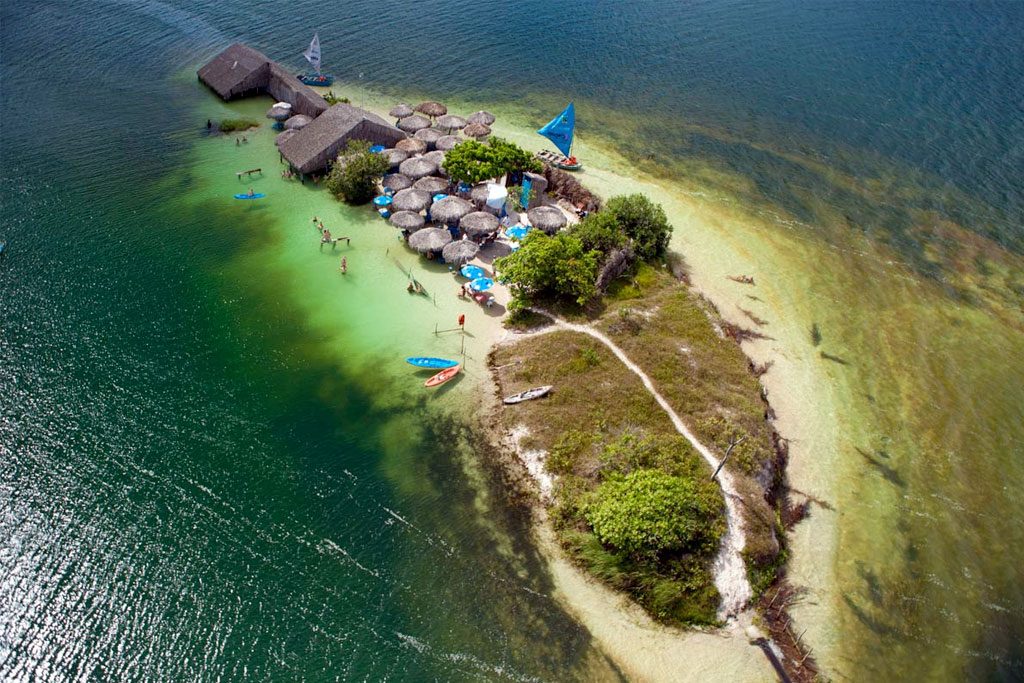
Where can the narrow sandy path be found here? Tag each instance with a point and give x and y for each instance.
(730, 571)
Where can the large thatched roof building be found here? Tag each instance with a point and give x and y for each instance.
(315, 146)
(240, 71)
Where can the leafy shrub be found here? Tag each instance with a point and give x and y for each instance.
(642, 221)
(331, 98)
(231, 125)
(599, 231)
(586, 358)
(558, 266)
(473, 162)
(354, 176)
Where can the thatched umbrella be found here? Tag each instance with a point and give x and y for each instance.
(547, 218)
(483, 117)
(407, 220)
(460, 252)
(449, 210)
(281, 137)
(417, 167)
(410, 199)
(478, 195)
(411, 146)
(432, 109)
(279, 112)
(395, 156)
(448, 142)
(438, 158)
(411, 124)
(396, 182)
(479, 224)
(431, 184)
(428, 135)
(429, 239)
(401, 111)
(476, 130)
(450, 122)
(297, 122)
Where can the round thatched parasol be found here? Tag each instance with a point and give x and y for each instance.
(281, 137)
(395, 156)
(400, 111)
(448, 142)
(483, 117)
(438, 158)
(407, 220)
(460, 252)
(547, 218)
(297, 122)
(429, 239)
(449, 210)
(431, 184)
(479, 224)
(417, 167)
(411, 146)
(396, 182)
(410, 200)
(411, 124)
(279, 113)
(450, 122)
(476, 130)
(432, 109)
(478, 195)
(429, 136)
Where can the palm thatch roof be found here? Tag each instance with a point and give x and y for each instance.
(240, 71)
(437, 157)
(279, 113)
(297, 122)
(417, 167)
(410, 200)
(432, 108)
(547, 218)
(400, 111)
(479, 224)
(395, 156)
(449, 210)
(431, 184)
(448, 142)
(483, 117)
(460, 252)
(476, 130)
(396, 182)
(450, 122)
(407, 220)
(317, 145)
(411, 124)
(428, 135)
(429, 239)
(478, 195)
(281, 137)
(285, 87)
(411, 146)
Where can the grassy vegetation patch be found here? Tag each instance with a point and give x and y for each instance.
(232, 125)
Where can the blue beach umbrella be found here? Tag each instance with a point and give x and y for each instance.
(439, 196)
(472, 272)
(377, 149)
(382, 200)
(481, 284)
(517, 232)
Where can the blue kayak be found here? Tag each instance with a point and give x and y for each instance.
(433, 363)
(258, 195)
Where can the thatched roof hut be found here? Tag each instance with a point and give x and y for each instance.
(476, 130)
(417, 167)
(450, 122)
(479, 224)
(395, 156)
(409, 221)
(396, 182)
(448, 142)
(429, 239)
(240, 71)
(547, 218)
(411, 124)
(449, 210)
(284, 135)
(400, 111)
(431, 184)
(411, 146)
(482, 117)
(297, 122)
(460, 252)
(432, 109)
(429, 136)
(318, 144)
(410, 200)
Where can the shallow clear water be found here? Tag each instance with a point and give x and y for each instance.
(211, 466)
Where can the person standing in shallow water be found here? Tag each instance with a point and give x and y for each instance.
(344, 265)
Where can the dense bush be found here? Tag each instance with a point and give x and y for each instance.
(642, 221)
(474, 162)
(599, 231)
(555, 266)
(354, 176)
(231, 125)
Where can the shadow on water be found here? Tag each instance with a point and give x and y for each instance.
(889, 473)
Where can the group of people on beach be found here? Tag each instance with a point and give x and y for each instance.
(327, 238)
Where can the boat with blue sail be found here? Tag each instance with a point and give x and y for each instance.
(560, 131)
(312, 55)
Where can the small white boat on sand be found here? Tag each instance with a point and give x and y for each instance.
(529, 394)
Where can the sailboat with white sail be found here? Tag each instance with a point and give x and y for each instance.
(312, 55)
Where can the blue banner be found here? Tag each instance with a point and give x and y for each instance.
(560, 129)
(525, 198)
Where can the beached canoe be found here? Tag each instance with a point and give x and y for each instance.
(443, 376)
(529, 394)
(258, 195)
(559, 161)
(433, 363)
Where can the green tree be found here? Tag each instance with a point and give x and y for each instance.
(647, 512)
(512, 158)
(599, 231)
(642, 221)
(474, 162)
(355, 173)
(558, 266)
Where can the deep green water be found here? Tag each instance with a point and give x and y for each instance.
(195, 482)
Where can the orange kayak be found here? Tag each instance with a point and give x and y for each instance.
(443, 376)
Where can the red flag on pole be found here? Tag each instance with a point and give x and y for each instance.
(462, 320)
